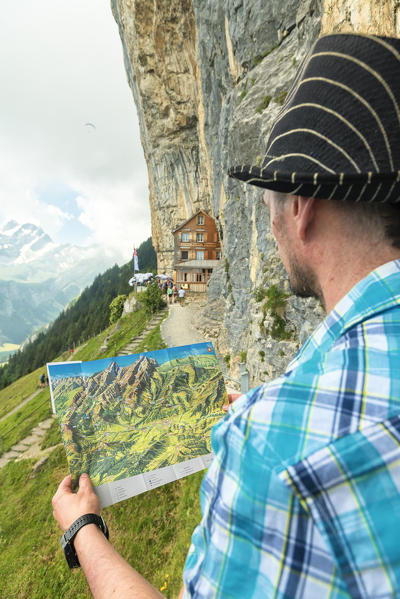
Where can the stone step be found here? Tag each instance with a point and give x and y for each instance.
(33, 438)
(45, 424)
(10, 455)
(20, 447)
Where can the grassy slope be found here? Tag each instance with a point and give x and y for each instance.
(15, 393)
(152, 531)
(19, 425)
(29, 416)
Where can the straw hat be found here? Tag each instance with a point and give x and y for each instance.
(338, 134)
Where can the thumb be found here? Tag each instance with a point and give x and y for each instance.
(65, 486)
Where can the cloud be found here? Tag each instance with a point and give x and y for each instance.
(61, 66)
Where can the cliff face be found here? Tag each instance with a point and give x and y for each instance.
(208, 78)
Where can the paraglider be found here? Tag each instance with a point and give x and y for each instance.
(92, 125)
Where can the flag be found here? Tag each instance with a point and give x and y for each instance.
(135, 260)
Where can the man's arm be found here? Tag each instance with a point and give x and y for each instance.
(107, 573)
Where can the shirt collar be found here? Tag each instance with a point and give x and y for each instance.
(377, 292)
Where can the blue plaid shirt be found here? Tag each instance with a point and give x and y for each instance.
(302, 498)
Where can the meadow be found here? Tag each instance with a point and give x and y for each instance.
(152, 531)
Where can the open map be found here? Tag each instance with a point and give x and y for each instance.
(136, 422)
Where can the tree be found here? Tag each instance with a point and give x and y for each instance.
(152, 299)
(116, 308)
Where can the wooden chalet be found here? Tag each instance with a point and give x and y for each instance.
(197, 251)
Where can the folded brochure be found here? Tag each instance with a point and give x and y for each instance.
(136, 422)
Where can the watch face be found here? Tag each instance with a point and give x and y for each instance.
(69, 552)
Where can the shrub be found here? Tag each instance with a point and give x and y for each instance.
(152, 299)
(116, 308)
(264, 104)
(281, 98)
(259, 293)
(275, 305)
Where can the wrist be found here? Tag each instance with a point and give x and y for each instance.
(70, 536)
(86, 535)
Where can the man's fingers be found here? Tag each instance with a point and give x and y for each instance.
(233, 397)
(85, 484)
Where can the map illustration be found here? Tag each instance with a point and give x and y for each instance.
(123, 417)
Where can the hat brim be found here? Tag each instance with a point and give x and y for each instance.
(365, 187)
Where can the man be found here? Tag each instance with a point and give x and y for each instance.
(302, 498)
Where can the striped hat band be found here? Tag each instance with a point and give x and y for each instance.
(338, 133)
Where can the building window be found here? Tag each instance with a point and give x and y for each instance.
(218, 255)
(185, 276)
(199, 236)
(200, 277)
(184, 255)
(184, 236)
(200, 255)
(200, 219)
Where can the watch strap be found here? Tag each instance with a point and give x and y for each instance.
(67, 539)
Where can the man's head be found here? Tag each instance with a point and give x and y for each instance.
(283, 212)
(327, 246)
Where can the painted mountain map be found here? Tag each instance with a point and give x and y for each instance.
(136, 422)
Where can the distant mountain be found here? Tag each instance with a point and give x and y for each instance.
(83, 318)
(38, 277)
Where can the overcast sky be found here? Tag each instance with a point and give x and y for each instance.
(61, 66)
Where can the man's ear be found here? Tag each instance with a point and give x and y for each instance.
(303, 211)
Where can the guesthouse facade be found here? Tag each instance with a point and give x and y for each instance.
(197, 250)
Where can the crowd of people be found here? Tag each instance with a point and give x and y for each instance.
(172, 291)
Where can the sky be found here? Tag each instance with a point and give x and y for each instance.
(70, 154)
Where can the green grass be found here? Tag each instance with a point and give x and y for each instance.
(14, 394)
(24, 420)
(52, 436)
(130, 326)
(152, 531)
(152, 341)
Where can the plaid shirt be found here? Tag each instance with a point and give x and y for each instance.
(302, 498)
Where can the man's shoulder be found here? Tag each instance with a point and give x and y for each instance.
(349, 387)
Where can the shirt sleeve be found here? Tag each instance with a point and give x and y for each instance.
(350, 487)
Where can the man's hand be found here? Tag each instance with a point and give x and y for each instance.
(231, 398)
(68, 506)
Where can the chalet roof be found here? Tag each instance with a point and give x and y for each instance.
(198, 264)
(191, 218)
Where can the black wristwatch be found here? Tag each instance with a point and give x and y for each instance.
(67, 540)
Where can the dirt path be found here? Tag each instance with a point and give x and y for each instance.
(177, 328)
(30, 446)
(24, 402)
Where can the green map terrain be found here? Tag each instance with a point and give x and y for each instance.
(124, 421)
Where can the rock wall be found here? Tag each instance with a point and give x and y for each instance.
(208, 78)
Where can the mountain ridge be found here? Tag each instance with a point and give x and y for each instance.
(38, 277)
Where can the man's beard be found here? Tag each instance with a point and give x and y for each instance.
(303, 281)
